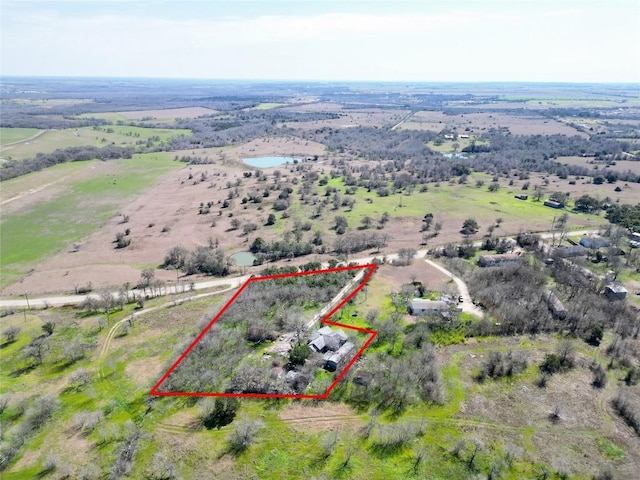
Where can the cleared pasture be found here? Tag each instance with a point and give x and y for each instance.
(41, 229)
(12, 135)
(119, 135)
(481, 122)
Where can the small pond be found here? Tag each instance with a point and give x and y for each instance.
(243, 259)
(267, 162)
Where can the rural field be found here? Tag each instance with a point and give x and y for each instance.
(121, 213)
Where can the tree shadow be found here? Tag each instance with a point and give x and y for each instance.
(22, 370)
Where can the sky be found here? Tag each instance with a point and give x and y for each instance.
(324, 40)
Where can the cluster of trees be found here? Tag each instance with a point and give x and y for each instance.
(498, 365)
(278, 249)
(357, 242)
(627, 409)
(515, 293)
(626, 215)
(209, 260)
(33, 419)
(395, 382)
(265, 310)
(15, 168)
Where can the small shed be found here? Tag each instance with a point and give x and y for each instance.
(615, 291)
(522, 196)
(553, 204)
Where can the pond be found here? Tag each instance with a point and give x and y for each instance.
(267, 162)
(243, 259)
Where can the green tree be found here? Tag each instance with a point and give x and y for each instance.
(470, 226)
(299, 354)
(271, 219)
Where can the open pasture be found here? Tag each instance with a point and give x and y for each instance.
(80, 205)
(349, 118)
(118, 135)
(13, 135)
(482, 122)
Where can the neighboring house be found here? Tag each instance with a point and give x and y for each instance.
(594, 243)
(553, 204)
(493, 260)
(615, 291)
(333, 359)
(418, 306)
(326, 340)
(555, 306)
(571, 252)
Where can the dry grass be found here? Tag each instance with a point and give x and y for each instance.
(477, 123)
(188, 112)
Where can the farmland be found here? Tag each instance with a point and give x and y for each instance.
(490, 383)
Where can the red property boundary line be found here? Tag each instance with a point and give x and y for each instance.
(372, 334)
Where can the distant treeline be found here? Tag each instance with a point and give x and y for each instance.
(15, 168)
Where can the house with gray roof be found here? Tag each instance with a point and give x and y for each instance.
(326, 340)
(418, 306)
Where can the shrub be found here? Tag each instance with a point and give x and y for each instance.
(11, 333)
(243, 435)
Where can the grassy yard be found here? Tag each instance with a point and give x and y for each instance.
(10, 135)
(30, 236)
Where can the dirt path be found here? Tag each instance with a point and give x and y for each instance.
(32, 191)
(26, 140)
(134, 315)
(467, 305)
(402, 121)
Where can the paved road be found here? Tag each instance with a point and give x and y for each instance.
(64, 300)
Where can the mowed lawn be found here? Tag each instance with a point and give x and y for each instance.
(119, 135)
(11, 135)
(51, 225)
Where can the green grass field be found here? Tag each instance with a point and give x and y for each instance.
(10, 135)
(460, 202)
(46, 228)
(287, 446)
(94, 136)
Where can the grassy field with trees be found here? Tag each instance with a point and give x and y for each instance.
(525, 369)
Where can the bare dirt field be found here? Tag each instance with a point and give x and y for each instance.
(480, 122)
(188, 112)
(320, 417)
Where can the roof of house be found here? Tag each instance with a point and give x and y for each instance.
(420, 304)
(501, 257)
(327, 338)
(616, 288)
(573, 251)
(594, 242)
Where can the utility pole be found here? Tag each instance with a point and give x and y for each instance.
(24, 312)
